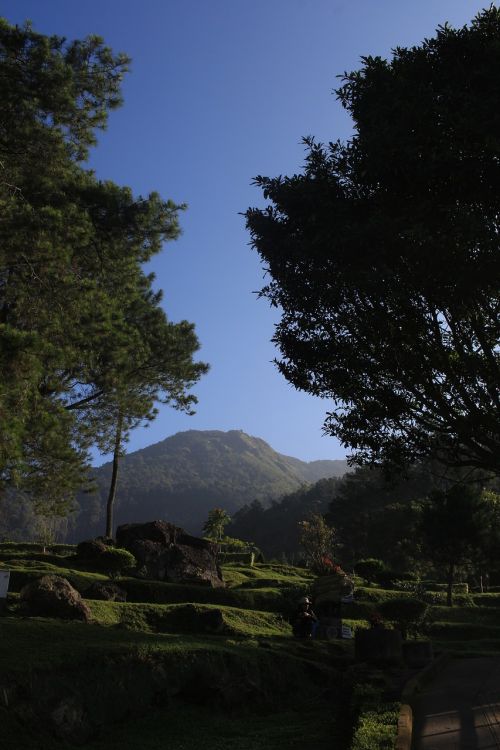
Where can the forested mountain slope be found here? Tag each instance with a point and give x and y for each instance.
(372, 516)
(182, 477)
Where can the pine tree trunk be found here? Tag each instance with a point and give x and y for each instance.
(451, 576)
(114, 477)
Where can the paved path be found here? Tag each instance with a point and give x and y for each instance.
(460, 709)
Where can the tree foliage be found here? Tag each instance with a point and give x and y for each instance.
(275, 528)
(217, 520)
(407, 613)
(371, 568)
(376, 517)
(318, 541)
(383, 255)
(452, 525)
(83, 337)
(54, 95)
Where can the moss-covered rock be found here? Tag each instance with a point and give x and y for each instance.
(53, 596)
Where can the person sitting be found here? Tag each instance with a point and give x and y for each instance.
(305, 622)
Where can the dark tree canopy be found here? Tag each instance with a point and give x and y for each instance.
(383, 255)
(453, 527)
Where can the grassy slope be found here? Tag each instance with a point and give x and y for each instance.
(189, 728)
(134, 631)
(156, 623)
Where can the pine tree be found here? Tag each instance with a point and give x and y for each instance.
(77, 312)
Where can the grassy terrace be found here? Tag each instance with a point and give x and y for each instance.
(294, 686)
(275, 688)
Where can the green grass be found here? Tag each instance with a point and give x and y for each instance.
(283, 680)
(375, 595)
(180, 618)
(481, 615)
(273, 588)
(262, 575)
(190, 728)
(451, 631)
(40, 643)
(465, 630)
(279, 686)
(23, 570)
(252, 673)
(43, 644)
(469, 648)
(487, 600)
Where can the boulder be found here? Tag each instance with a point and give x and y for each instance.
(159, 532)
(53, 596)
(108, 592)
(166, 552)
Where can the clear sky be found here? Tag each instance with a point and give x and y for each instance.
(221, 91)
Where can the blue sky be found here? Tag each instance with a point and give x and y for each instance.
(220, 91)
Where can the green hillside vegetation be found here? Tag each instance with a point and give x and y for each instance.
(181, 478)
(373, 517)
(252, 668)
(233, 686)
(275, 528)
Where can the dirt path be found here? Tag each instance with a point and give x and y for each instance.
(460, 709)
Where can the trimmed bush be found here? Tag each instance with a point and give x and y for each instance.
(457, 588)
(408, 614)
(116, 561)
(375, 595)
(370, 569)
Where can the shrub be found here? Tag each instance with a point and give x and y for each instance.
(408, 614)
(436, 598)
(370, 569)
(413, 587)
(374, 719)
(376, 728)
(457, 588)
(114, 561)
(375, 595)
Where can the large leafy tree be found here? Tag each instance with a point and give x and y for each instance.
(383, 255)
(82, 334)
(453, 525)
(376, 518)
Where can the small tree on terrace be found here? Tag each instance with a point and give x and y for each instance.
(215, 523)
(317, 539)
(451, 527)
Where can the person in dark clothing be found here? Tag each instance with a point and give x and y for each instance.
(305, 622)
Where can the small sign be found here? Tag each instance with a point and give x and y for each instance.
(4, 583)
(346, 631)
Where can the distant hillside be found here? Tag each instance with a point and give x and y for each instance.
(182, 477)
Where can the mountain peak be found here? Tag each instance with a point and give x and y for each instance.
(182, 477)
